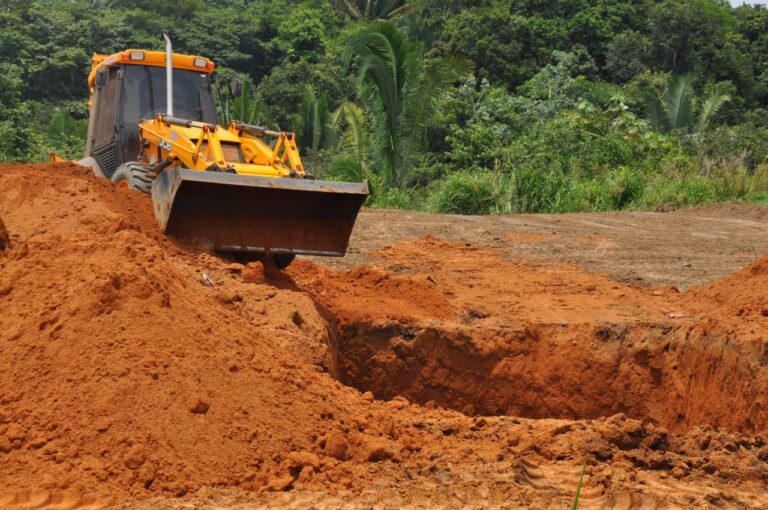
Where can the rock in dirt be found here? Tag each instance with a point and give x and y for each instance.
(336, 445)
(280, 483)
(253, 273)
(379, 449)
(234, 267)
(135, 457)
(297, 461)
(102, 424)
(5, 445)
(198, 406)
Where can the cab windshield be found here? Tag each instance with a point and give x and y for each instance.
(144, 95)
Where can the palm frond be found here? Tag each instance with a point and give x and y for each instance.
(245, 108)
(349, 8)
(346, 170)
(678, 101)
(314, 111)
(709, 109)
(350, 120)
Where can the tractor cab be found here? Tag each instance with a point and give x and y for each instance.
(130, 86)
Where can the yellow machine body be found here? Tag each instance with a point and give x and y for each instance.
(242, 188)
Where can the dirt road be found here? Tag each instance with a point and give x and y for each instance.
(680, 248)
(447, 362)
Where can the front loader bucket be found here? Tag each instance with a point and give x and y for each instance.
(258, 214)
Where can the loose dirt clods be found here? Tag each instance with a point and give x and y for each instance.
(438, 374)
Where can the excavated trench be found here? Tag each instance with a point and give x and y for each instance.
(455, 326)
(670, 374)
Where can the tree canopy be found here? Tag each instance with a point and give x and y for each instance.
(516, 99)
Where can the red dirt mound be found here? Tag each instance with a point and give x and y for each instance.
(133, 367)
(743, 295)
(121, 372)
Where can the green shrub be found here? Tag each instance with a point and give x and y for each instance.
(624, 187)
(465, 193)
(537, 191)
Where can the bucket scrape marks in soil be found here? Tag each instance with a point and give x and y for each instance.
(44, 500)
(462, 329)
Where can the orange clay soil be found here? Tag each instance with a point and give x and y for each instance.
(547, 341)
(441, 375)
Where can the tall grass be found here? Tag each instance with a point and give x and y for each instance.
(466, 193)
(528, 190)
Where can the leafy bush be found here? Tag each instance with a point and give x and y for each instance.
(465, 193)
(532, 190)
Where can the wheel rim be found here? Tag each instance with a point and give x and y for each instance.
(122, 184)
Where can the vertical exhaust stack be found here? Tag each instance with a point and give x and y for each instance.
(168, 76)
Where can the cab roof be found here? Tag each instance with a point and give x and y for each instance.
(148, 58)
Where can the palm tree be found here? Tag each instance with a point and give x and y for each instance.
(678, 108)
(399, 92)
(368, 9)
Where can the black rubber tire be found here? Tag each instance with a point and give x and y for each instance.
(282, 260)
(136, 175)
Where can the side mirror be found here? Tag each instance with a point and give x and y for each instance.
(236, 86)
(102, 74)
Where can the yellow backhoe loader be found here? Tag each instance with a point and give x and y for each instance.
(153, 127)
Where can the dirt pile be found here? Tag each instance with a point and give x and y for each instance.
(133, 367)
(742, 296)
(120, 369)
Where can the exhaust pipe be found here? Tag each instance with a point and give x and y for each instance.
(168, 76)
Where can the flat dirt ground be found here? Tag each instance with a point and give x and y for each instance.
(682, 248)
(446, 362)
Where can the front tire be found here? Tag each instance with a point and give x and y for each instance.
(282, 260)
(134, 175)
